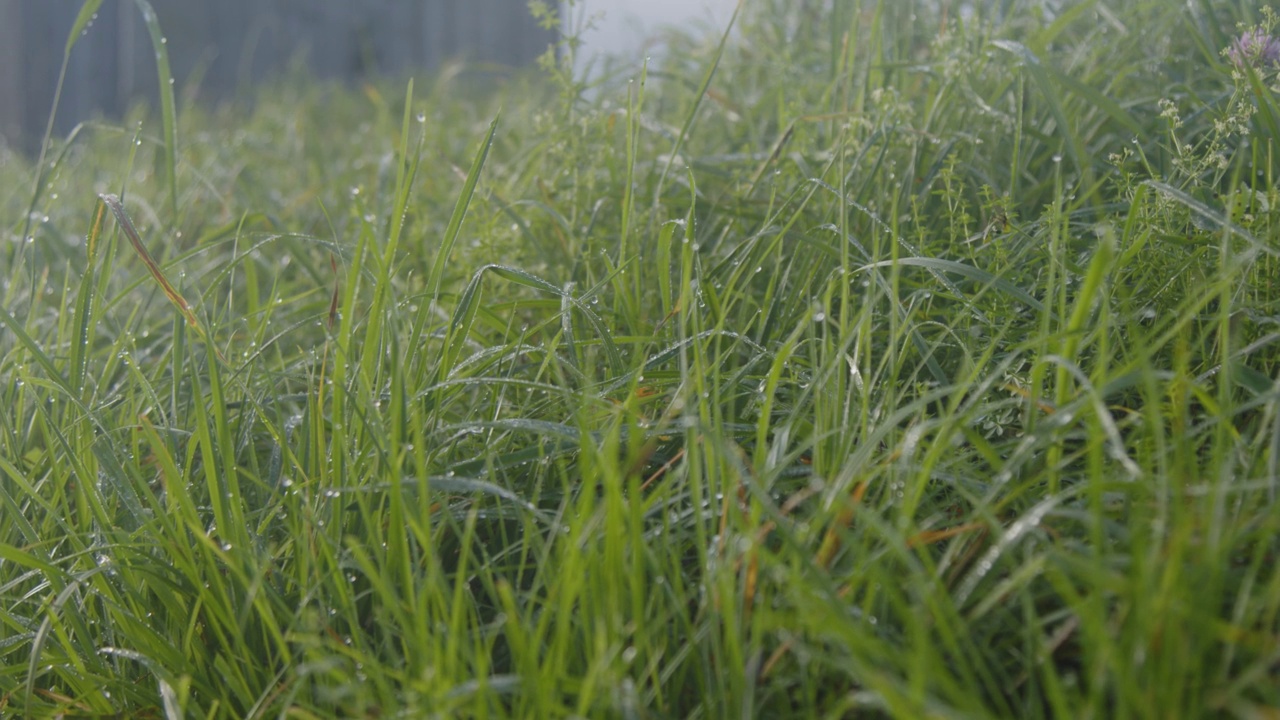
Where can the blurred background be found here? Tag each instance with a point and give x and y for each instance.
(219, 48)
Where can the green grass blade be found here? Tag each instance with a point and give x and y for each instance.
(960, 268)
(88, 12)
(460, 211)
(1044, 81)
(168, 109)
(84, 299)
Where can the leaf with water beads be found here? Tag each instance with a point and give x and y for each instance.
(168, 109)
(88, 13)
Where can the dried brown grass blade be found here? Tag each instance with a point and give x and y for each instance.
(153, 267)
(175, 297)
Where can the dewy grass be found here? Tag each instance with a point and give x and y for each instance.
(882, 360)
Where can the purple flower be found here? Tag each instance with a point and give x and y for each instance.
(1255, 48)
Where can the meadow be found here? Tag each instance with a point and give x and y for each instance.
(876, 358)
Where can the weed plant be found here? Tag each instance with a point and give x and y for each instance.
(877, 358)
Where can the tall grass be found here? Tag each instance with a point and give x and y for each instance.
(889, 358)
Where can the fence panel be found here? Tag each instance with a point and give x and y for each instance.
(221, 48)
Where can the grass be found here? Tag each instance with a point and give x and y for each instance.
(878, 360)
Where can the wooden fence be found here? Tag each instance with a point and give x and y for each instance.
(225, 45)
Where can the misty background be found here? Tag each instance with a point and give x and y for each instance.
(219, 49)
